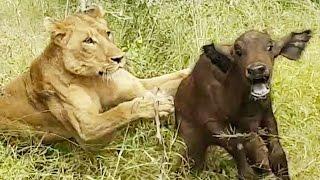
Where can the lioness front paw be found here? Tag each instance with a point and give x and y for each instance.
(151, 103)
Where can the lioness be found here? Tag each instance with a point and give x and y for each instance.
(77, 88)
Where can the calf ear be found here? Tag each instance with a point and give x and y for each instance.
(219, 56)
(291, 46)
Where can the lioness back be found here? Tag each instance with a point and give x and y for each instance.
(17, 112)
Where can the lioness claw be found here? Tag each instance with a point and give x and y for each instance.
(146, 105)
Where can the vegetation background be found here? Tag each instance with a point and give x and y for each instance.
(162, 36)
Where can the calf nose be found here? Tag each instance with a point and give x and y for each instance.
(256, 69)
(117, 59)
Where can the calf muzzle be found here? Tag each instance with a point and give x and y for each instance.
(258, 76)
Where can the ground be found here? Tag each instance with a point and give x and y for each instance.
(162, 36)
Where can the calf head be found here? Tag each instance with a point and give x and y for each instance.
(253, 54)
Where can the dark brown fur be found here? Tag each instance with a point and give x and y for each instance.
(215, 105)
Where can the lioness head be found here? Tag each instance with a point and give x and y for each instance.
(86, 42)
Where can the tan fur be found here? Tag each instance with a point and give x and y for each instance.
(75, 90)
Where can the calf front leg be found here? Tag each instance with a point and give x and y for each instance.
(234, 146)
(277, 156)
(257, 153)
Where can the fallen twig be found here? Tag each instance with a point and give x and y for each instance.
(157, 118)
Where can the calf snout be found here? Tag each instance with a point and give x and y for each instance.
(257, 71)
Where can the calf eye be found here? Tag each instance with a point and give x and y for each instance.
(269, 48)
(237, 50)
(89, 40)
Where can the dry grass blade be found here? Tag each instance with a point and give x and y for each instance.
(157, 119)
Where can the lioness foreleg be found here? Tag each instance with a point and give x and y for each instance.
(168, 82)
(89, 125)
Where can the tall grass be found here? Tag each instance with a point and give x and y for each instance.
(162, 36)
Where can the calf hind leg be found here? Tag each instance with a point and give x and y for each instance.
(196, 146)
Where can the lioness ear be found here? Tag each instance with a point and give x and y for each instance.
(58, 31)
(219, 55)
(291, 46)
(50, 24)
(95, 11)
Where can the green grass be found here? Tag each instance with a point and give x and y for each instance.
(162, 36)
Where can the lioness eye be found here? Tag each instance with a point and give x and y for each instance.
(89, 40)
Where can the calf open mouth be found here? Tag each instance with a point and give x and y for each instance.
(260, 88)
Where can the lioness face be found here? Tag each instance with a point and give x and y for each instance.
(87, 44)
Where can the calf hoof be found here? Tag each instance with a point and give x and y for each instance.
(248, 174)
(197, 167)
(284, 175)
(262, 168)
(287, 177)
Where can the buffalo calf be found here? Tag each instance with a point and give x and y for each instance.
(225, 101)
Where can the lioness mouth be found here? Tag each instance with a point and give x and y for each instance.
(108, 72)
(260, 88)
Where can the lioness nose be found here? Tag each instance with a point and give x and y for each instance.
(255, 69)
(117, 59)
